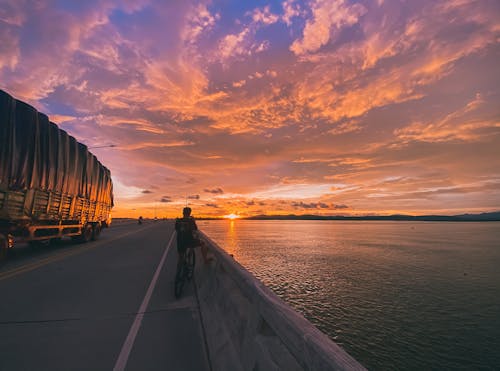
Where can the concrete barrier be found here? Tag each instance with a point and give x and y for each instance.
(248, 327)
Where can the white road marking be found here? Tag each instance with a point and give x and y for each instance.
(121, 362)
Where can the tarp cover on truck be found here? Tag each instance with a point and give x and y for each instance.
(36, 154)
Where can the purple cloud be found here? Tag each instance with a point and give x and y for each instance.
(215, 191)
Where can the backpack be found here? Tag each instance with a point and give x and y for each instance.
(185, 228)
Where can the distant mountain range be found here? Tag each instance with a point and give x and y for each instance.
(483, 217)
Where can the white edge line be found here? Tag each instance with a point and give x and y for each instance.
(121, 362)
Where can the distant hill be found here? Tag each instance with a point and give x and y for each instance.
(493, 216)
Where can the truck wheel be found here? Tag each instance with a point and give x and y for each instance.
(96, 231)
(86, 235)
(3, 247)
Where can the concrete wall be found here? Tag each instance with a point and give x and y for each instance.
(249, 328)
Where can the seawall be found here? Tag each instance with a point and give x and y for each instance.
(248, 327)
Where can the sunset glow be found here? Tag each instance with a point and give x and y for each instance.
(231, 216)
(328, 107)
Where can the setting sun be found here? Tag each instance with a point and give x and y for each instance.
(231, 216)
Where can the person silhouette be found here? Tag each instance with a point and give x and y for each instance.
(187, 237)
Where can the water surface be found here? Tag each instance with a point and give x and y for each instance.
(394, 295)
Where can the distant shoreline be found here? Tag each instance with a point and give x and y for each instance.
(483, 217)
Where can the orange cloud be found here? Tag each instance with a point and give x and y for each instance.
(455, 126)
(328, 16)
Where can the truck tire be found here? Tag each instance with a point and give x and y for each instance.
(96, 231)
(3, 247)
(86, 235)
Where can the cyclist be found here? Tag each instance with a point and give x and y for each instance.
(187, 236)
(185, 228)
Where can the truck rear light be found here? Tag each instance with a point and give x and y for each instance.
(10, 241)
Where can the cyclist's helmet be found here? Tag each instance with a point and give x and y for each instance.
(186, 211)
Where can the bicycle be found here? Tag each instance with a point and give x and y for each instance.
(185, 271)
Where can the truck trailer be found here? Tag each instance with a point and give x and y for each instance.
(51, 186)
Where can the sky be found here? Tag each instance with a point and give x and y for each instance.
(328, 107)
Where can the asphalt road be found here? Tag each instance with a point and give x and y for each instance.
(77, 307)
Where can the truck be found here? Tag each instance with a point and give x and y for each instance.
(51, 186)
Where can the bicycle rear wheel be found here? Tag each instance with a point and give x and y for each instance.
(190, 262)
(179, 281)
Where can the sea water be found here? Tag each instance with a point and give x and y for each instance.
(395, 295)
